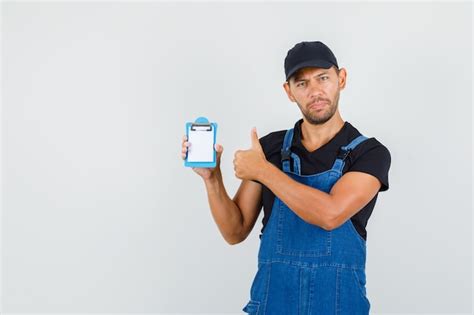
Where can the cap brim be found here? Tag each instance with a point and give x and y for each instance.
(311, 63)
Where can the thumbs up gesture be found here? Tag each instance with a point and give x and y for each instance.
(250, 164)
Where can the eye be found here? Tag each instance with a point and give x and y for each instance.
(300, 84)
(324, 77)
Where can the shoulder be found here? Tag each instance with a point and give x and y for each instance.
(272, 142)
(371, 148)
(275, 139)
(373, 157)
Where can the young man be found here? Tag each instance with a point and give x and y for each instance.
(318, 183)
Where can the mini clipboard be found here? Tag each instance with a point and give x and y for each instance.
(202, 136)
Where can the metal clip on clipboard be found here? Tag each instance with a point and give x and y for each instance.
(202, 135)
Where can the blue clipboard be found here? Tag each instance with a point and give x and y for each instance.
(202, 125)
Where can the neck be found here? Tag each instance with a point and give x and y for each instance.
(315, 136)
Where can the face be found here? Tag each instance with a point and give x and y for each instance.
(316, 91)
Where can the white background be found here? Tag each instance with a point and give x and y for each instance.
(100, 215)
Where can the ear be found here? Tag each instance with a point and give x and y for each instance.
(286, 86)
(342, 78)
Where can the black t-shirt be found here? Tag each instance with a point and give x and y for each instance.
(370, 157)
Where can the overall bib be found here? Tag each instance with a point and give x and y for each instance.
(302, 268)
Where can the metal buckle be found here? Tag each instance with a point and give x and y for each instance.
(343, 154)
(285, 155)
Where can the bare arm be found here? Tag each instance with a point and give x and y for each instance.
(328, 210)
(235, 217)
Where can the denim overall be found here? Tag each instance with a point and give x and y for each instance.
(302, 268)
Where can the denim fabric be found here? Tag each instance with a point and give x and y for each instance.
(302, 268)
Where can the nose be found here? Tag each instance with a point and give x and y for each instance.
(314, 88)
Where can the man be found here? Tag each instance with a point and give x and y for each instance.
(318, 183)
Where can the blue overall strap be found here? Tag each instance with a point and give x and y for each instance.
(286, 154)
(296, 163)
(285, 151)
(344, 152)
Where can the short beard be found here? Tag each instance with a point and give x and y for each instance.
(319, 120)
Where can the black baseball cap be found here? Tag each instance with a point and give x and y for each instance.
(309, 54)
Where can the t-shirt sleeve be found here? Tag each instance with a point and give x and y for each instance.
(375, 161)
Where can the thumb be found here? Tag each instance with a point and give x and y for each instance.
(255, 142)
(219, 149)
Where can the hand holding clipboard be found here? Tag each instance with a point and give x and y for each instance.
(199, 149)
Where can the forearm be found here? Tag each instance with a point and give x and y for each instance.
(225, 212)
(312, 205)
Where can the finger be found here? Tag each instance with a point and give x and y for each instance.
(255, 142)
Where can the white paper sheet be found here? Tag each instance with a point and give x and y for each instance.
(202, 144)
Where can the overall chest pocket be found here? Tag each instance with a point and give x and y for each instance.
(299, 238)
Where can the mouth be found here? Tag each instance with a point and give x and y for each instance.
(317, 105)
